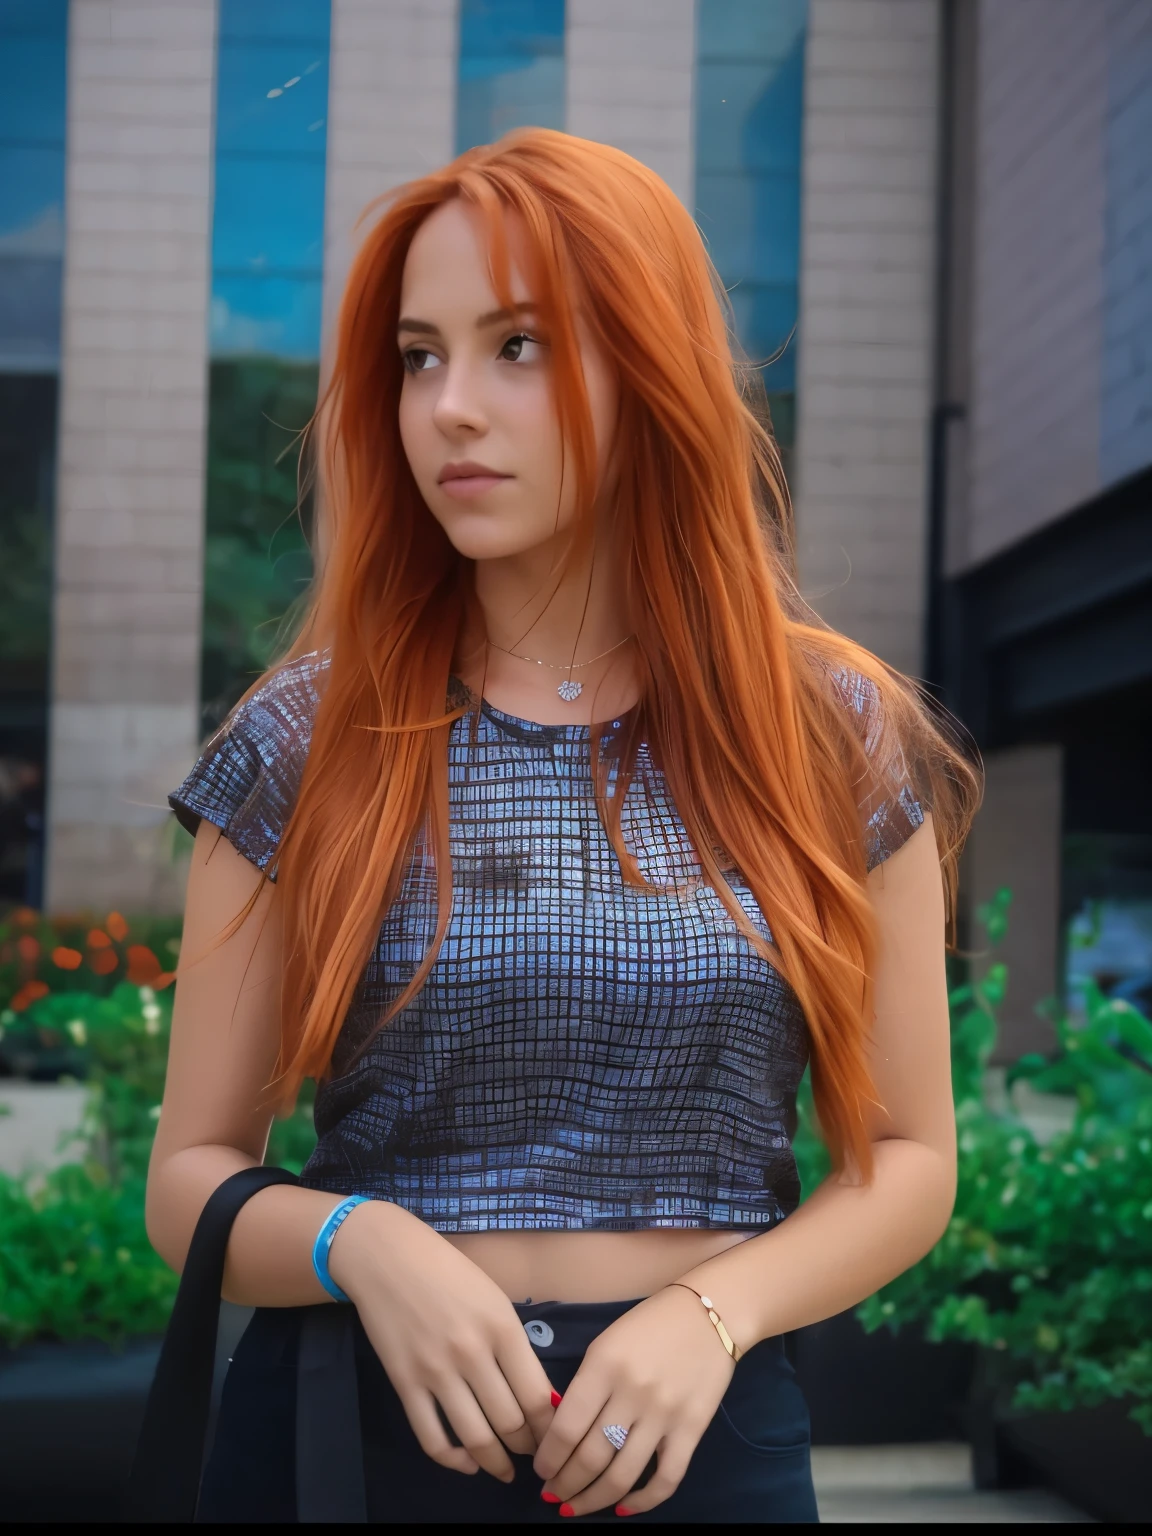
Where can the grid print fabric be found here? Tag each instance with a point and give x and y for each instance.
(584, 1054)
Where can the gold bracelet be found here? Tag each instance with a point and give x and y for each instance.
(714, 1318)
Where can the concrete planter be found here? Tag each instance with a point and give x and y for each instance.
(880, 1388)
(1096, 1458)
(69, 1417)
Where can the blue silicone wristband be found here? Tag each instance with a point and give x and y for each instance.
(323, 1243)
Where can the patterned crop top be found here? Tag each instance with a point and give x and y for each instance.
(584, 1054)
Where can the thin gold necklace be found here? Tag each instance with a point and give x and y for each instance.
(569, 690)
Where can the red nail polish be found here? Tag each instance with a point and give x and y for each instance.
(566, 1509)
(549, 1497)
(556, 1398)
(620, 1510)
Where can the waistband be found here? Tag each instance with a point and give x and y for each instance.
(563, 1330)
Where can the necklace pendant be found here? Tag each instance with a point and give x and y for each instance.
(570, 690)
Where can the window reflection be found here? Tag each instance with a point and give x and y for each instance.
(267, 255)
(749, 103)
(33, 46)
(511, 68)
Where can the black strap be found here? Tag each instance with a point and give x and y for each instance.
(329, 1459)
(165, 1480)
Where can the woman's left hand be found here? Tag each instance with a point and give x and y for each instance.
(660, 1371)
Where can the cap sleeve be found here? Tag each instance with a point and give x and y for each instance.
(246, 780)
(890, 809)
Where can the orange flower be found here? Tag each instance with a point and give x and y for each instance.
(24, 917)
(143, 966)
(98, 939)
(165, 979)
(28, 993)
(28, 947)
(116, 926)
(66, 959)
(103, 961)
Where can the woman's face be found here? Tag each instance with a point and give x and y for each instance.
(477, 417)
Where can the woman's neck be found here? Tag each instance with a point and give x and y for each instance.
(555, 616)
(534, 604)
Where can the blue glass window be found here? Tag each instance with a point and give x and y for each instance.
(271, 140)
(267, 267)
(511, 69)
(33, 46)
(33, 36)
(749, 105)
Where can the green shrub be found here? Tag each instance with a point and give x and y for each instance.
(74, 1254)
(75, 1260)
(1047, 1260)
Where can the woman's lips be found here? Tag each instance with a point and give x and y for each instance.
(467, 486)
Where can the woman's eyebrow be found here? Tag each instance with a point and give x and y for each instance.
(422, 327)
(494, 316)
(427, 328)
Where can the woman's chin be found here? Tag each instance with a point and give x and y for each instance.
(477, 539)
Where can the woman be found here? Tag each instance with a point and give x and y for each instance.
(560, 838)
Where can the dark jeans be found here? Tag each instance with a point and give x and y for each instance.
(752, 1464)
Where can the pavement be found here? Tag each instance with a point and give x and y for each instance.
(920, 1484)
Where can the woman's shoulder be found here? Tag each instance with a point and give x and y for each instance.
(276, 720)
(247, 777)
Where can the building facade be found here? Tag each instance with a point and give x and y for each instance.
(932, 216)
(1040, 512)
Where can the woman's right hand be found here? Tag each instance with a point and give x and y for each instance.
(445, 1333)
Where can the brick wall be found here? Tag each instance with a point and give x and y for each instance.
(129, 517)
(1061, 325)
(1033, 441)
(391, 112)
(630, 66)
(864, 373)
(1015, 845)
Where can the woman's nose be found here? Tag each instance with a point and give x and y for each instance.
(459, 404)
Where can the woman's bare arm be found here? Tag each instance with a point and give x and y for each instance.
(443, 1330)
(850, 1239)
(660, 1368)
(216, 1112)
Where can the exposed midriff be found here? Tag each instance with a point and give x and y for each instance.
(590, 1266)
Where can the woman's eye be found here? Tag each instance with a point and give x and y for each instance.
(513, 349)
(417, 360)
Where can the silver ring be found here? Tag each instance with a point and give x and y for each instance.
(616, 1434)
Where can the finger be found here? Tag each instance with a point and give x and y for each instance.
(473, 1430)
(594, 1453)
(623, 1472)
(499, 1406)
(583, 1407)
(672, 1457)
(529, 1383)
(420, 1406)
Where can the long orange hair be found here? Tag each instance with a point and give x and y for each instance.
(742, 698)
